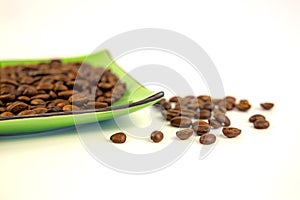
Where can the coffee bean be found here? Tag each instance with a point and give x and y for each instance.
(214, 123)
(230, 99)
(204, 98)
(201, 127)
(267, 106)
(26, 112)
(223, 119)
(6, 114)
(203, 114)
(175, 99)
(17, 107)
(7, 97)
(253, 118)
(70, 108)
(231, 132)
(181, 122)
(157, 136)
(23, 98)
(187, 113)
(96, 105)
(78, 99)
(184, 134)
(243, 105)
(170, 114)
(261, 124)
(207, 139)
(118, 138)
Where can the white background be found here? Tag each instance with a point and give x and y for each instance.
(255, 47)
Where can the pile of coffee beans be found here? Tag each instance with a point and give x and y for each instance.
(56, 87)
(199, 115)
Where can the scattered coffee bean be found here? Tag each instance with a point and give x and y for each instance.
(267, 106)
(175, 99)
(243, 105)
(253, 118)
(207, 139)
(201, 127)
(183, 122)
(184, 134)
(231, 132)
(157, 136)
(119, 137)
(214, 123)
(261, 124)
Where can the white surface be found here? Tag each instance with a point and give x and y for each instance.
(255, 46)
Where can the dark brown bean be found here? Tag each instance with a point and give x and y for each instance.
(231, 132)
(175, 99)
(207, 139)
(183, 122)
(70, 108)
(214, 123)
(157, 136)
(184, 134)
(7, 97)
(203, 114)
(24, 98)
(243, 105)
(40, 110)
(187, 113)
(6, 114)
(17, 107)
(118, 138)
(78, 99)
(201, 127)
(170, 114)
(253, 118)
(26, 112)
(267, 106)
(261, 124)
(96, 105)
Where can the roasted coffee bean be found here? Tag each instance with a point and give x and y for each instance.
(183, 122)
(214, 123)
(223, 119)
(230, 99)
(1, 103)
(26, 112)
(52, 94)
(184, 134)
(267, 106)
(243, 105)
(2, 109)
(207, 139)
(96, 105)
(6, 114)
(204, 98)
(201, 127)
(253, 118)
(175, 99)
(261, 124)
(157, 136)
(7, 97)
(17, 107)
(203, 114)
(45, 86)
(118, 138)
(37, 102)
(55, 109)
(40, 110)
(41, 96)
(230, 106)
(231, 132)
(78, 99)
(23, 98)
(170, 114)
(166, 106)
(70, 108)
(187, 113)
